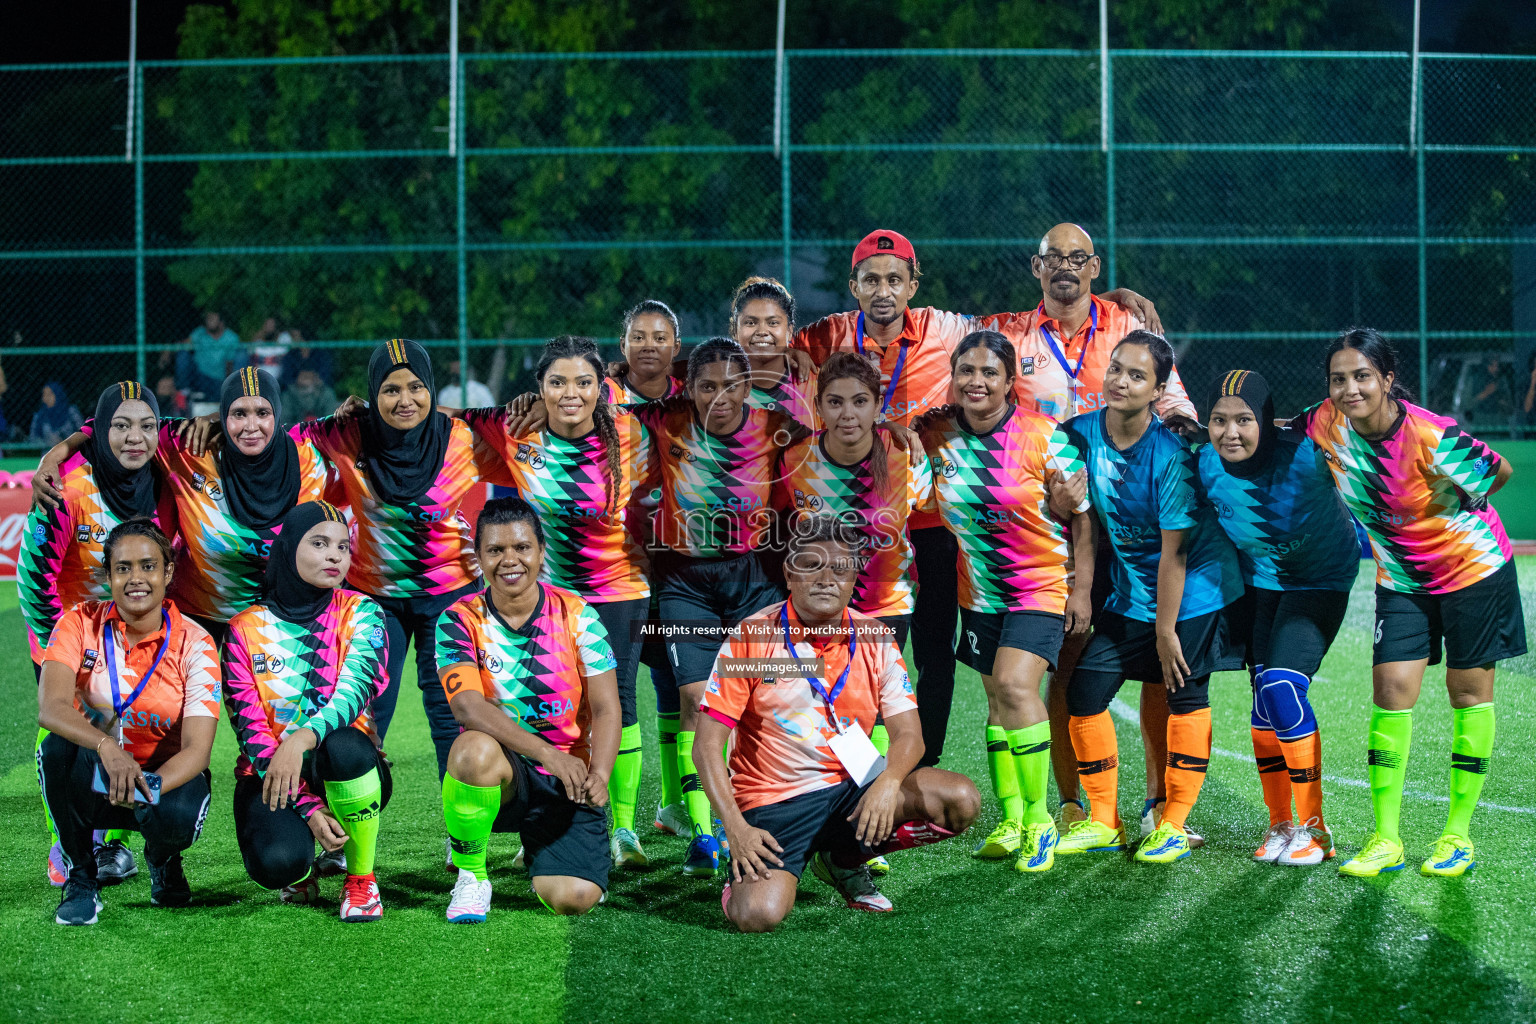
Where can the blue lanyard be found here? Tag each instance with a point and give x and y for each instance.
(118, 704)
(816, 685)
(901, 360)
(1072, 371)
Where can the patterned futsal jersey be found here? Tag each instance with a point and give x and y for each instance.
(796, 398)
(1141, 491)
(402, 552)
(536, 673)
(280, 677)
(1421, 493)
(991, 492)
(184, 685)
(620, 393)
(61, 551)
(221, 562)
(814, 484)
(715, 490)
(1065, 378)
(588, 546)
(783, 729)
(1290, 528)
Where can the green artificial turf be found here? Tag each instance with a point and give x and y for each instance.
(1100, 938)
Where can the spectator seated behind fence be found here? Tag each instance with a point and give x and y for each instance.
(172, 401)
(56, 419)
(459, 396)
(1494, 401)
(301, 357)
(309, 398)
(208, 355)
(269, 346)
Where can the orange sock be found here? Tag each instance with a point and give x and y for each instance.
(1304, 758)
(1189, 755)
(1272, 774)
(1098, 764)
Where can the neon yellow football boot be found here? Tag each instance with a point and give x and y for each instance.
(1379, 854)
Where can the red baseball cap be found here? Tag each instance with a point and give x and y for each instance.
(882, 242)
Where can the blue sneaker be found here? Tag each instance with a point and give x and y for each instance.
(703, 857)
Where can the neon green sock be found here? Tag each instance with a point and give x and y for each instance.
(881, 738)
(1387, 766)
(693, 793)
(1471, 748)
(53, 833)
(469, 812)
(624, 786)
(666, 737)
(115, 835)
(1030, 748)
(1005, 778)
(356, 804)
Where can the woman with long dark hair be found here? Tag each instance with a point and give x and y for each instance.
(1445, 582)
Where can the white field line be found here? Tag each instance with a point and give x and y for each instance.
(1120, 709)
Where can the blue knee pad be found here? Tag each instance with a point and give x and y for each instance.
(1259, 718)
(1283, 692)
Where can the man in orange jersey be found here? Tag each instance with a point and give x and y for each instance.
(1063, 348)
(912, 349)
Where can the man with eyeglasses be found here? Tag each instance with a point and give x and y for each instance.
(1063, 348)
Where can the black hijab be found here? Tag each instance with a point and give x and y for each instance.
(260, 487)
(127, 492)
(290, 597)
(1252, 388)
(402, 464)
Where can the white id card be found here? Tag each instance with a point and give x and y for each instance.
(858, 755)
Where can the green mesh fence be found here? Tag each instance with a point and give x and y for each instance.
(1262, 199)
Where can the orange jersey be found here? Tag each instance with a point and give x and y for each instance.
(783, 729)
(426, 548)
(914, 370)
(813, 483)
(221, 562)
(619, 393)
(61, 551)
(1066, 379)
(589, 548)
(185, 683)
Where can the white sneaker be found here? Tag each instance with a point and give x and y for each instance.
(854, 885)
(673, 820)
(1308, 846)
(1277, 839)
(471, 899)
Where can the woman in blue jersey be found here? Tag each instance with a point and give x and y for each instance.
(1174, 578)
(1296, 547)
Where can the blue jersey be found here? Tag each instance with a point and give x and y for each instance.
(1140, 492)
(1291, 530)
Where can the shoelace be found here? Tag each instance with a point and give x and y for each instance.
(355, 889)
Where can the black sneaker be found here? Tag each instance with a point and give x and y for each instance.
(168, 884)
(80, 903)
(115, 863)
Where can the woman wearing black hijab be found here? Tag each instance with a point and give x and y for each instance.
(231, 498)
(405, 467)
(1296, 545)
(301, 669)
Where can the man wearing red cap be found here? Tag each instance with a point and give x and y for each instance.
(912, 348)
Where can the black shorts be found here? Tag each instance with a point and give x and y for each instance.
(620, 620)
(560, 837)
(902, 624)
(1477, 625)
(982, 633)
(1294, 628)
(698, 592)
(810, 823)
(1123, 648)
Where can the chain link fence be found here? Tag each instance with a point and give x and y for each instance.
(1263, 199)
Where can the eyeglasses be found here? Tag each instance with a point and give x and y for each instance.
(1077, 260)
